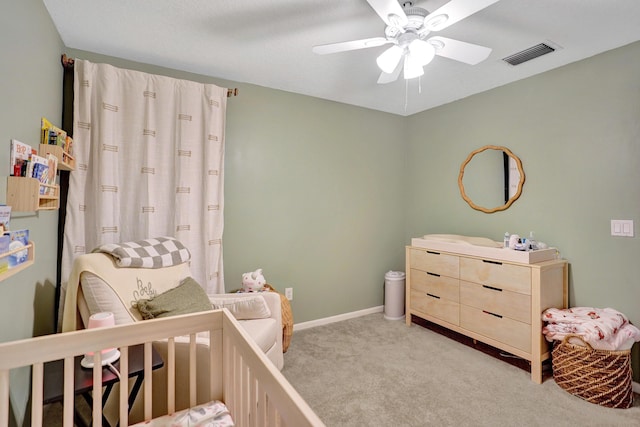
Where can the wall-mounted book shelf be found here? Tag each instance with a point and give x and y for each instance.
(5, 274)
(66, 162)
(28, 194)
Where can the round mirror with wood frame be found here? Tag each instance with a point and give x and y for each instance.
(516, 191)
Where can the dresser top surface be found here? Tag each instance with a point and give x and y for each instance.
(537, 257)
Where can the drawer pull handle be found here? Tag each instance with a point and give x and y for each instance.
(492, 262)
(433, 253)
(493, 314)
(433, 274)
(492, 288)
(433, 296)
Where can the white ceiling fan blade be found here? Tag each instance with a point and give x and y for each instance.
(460, 51)
(390, 77)
(390, 11)
(454, 11)
(351, 45)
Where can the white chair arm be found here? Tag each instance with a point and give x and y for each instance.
(271, 298)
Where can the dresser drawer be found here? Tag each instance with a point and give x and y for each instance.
(510, 277)
(435, 262)
(441, 286)
(435, 306)
(495, 300)
(502, 329)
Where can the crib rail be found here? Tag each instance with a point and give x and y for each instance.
(253, 389)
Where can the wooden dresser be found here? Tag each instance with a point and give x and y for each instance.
(493, 301)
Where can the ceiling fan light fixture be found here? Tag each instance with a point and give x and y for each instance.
(422, 51)
(412, 67)
(389, 59)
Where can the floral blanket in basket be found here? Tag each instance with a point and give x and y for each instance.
(601, 328)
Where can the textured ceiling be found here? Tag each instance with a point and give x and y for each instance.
(268, 42)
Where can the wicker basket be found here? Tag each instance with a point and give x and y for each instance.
(597, 376)
(287, 319)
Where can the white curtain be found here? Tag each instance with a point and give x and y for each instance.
(149, 154)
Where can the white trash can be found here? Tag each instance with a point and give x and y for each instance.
(394, 295)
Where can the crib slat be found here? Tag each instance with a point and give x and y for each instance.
(171, 375)
(215, 341)
(253, 398)
(261, 413)
(148, 385)
(272, 414)
(124, 390)
(230, 392)
(37, 379)
(4, 391)
(97, 389)
(68, 399)
(246, 391)
(241, 400)
(237, 392)
(192, 370)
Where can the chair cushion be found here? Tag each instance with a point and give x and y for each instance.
(100, 297)
(187, 297)
(263, 331)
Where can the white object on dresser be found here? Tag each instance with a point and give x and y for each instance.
(494, 301)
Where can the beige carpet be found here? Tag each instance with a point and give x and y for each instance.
(370, 371)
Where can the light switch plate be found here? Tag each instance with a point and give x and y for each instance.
(622, 227)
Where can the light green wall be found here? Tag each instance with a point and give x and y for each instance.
(314, 196)
(30, 88)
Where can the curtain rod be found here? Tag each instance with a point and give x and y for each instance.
(68, 63)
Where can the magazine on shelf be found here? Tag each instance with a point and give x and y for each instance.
(18, 239)
(5, 217)
(40, 170)
(52, 134)
(19, 157)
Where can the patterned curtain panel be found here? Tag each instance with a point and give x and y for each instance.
(149, 156)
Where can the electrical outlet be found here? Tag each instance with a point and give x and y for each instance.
(288, 292)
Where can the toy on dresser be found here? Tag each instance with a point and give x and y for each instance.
(253, 281)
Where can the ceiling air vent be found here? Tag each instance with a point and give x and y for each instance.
(528, 54)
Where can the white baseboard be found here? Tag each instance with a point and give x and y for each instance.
(337, 318)
(635, 387)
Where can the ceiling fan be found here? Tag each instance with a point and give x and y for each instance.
(408, 30)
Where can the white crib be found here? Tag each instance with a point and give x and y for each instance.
(239, 374)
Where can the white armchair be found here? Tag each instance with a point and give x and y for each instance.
(96, 284)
